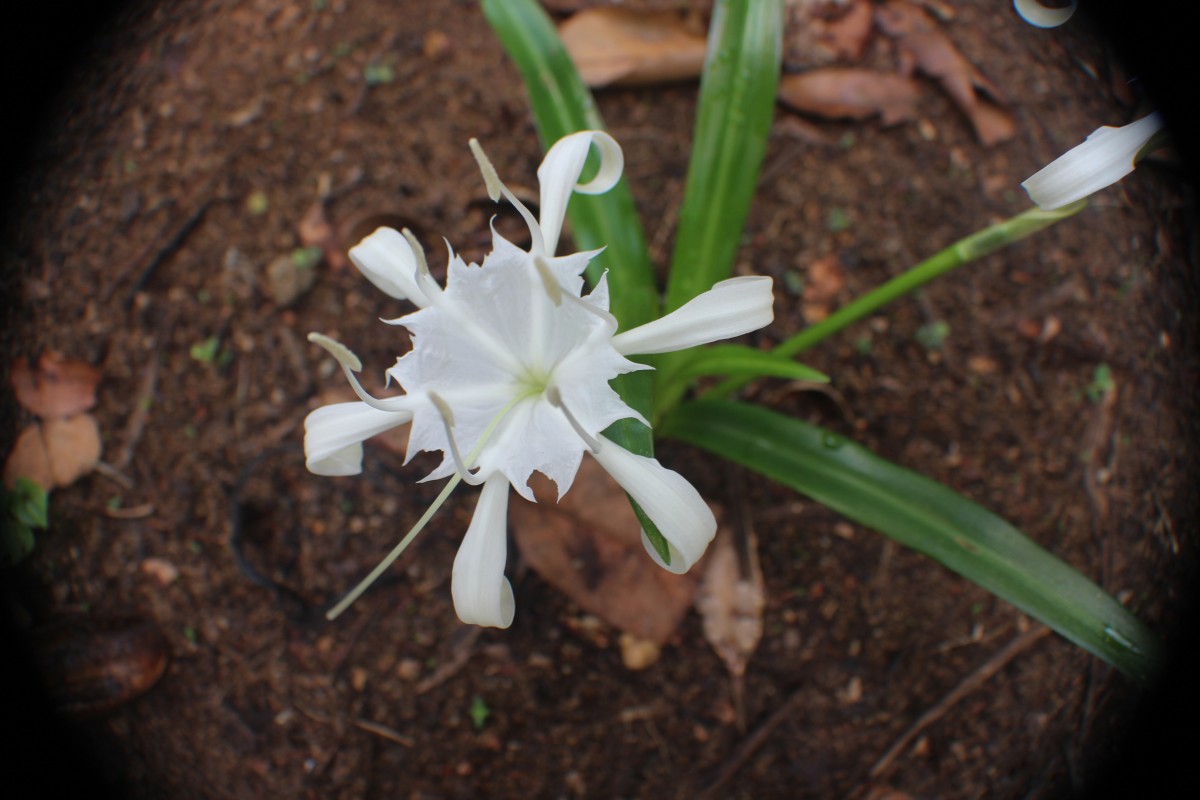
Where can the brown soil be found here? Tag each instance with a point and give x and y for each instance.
(204, 105)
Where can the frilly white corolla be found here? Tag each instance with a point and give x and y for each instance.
(509, 374)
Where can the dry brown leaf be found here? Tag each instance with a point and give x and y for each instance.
(57, 452)
(589, 547)
(840, 92)
(617, 46)
(73, 447)
(59, 387)
(846, 35)
(818, 33)
(28, 459)
(731, 601)
(315, 230)
(821, 286)
(923, 46)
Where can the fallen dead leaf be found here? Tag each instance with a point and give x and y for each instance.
(617, 46)
(923, 46)
(59, 387)
(28, 459)
(589, 547)
(850, 92)
(315, 230)
(822, 283)
(846, 33)
(731, 601)
(55, 453)
(73, 447)
(818, 33)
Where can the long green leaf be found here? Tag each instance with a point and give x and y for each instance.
(926, 516)
(737, 102)
(737, 359)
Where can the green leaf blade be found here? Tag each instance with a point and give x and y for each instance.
(926, 516)
(737, 103)
(739, 360)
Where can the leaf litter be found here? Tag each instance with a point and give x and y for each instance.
(65, 444)
(620, 47)
(731, 601)
(924, 47)
(589, 547)
(56, 452)
(57, 387)
(826, 39)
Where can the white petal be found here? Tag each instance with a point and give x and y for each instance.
(1042, 16)
(731, 308)
(1103, 159)
(333, 435)
(672, 503)
(386, 260)
(560, 171)
(482, 595)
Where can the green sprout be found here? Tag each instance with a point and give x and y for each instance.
(26, 506)
(1102, 383)
(479, 712)
(933, 336)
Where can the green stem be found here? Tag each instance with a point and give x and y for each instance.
(973, 247)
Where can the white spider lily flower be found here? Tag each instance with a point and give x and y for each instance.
(509, 374)
(1043, 16)
(1104, 158)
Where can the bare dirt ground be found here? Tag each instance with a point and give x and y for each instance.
(185, 161)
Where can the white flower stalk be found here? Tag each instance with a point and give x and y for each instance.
(509, 374)
(1104, 158)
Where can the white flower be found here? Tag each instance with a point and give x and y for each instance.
(509, 374)
(1042, 16)
(1103, 159)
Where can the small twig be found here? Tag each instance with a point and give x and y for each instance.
(133, 512)
(969, 684)
(167, 250)
(384, 732)
(115, 475)
(141, 410)
(462, 647)
(749, 746)
(295, 606)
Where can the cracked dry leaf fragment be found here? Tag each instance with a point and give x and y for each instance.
(55, 453)
(588, 546)
(620, 47)
(924, 47)
(57, 387)
(851, 92)
(731, 601)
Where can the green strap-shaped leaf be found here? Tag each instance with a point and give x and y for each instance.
(737, 359)
(733, 120)
(926, 516)
(737, 102)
